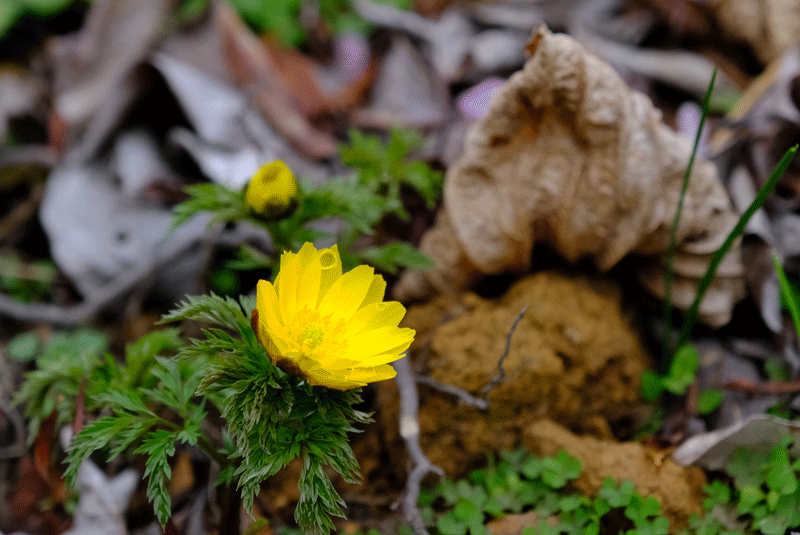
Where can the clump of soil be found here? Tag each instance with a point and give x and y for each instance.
(574, 358)
(678, 489)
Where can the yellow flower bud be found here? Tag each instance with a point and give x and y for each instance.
(272, 192)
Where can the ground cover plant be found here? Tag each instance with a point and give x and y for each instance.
(293, 399)
(275, 199)
(758, 493)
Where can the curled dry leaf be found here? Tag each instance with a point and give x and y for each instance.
(570, 156)
(771, 27)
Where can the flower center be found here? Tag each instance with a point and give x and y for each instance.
(311, 337)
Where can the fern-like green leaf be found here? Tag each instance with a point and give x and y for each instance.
(222, 202)
(159, 446)
(225, 312)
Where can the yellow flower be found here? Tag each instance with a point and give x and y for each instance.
(272, 192)
(330, 328)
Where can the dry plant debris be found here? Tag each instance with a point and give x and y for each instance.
(771, 27)
(570, 156)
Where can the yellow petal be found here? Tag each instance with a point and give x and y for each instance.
(382, 340)
(331, 265)
(347, 293)
(376, 291)
(383, 358)
(373, 316)
(309, 274)
(271, 329)
(267, 305)
(321, 377)
(369, 375)
(286, 285)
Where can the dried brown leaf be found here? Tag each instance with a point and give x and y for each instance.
(117, 36)
(771, 27)
(570, 156)
(253, 68)
(406, 92)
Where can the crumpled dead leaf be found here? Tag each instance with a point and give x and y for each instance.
(98, 231)
(98, 77)
(406, 93)
(711, 450)
(570, 156)
(771, 27)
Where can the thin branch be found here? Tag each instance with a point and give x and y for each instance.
(501, 374)
(465, 397)
(764, 387)
(462, 395)
(409, 430)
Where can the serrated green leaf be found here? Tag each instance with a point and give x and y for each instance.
(224, 312)
(392, 256)
(102, 434)
(159, 446)
(223, 203)
(117, 398)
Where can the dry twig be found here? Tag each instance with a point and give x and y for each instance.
(501, 372)
(409, 430)
(764, 387)
(409, 423)
(465, 397)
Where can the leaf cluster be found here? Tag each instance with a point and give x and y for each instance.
(679, 377)
(152, 404)
(384, 167)
(272, 417)
(361, 200)
(144, 394)
(282, 17)
(69, 363)
(763, 495)
(765, 490)
(521, 483)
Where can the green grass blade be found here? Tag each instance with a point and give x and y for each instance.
(673, 235)
(786, 290)
(705, 282)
